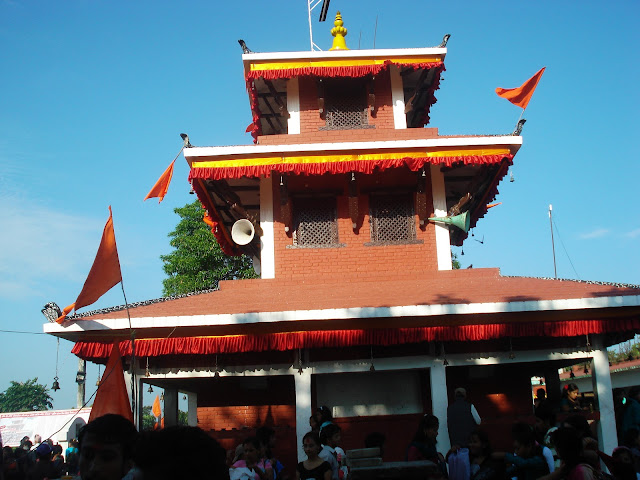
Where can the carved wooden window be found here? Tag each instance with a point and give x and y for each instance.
(315, 222)
(346, 105)
(392, 219)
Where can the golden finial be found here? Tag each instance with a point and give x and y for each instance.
(339, 32)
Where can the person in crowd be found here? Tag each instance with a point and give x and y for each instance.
(71, 454)
(462, 418)
(570, 449)
(57, 459)
(43, 469)
(330, 437)
(323, 417)
(258, 468)
(106, 448)
(10, 468)
(482, 466)
(314, 467)
(631, 414)
(622, 467)
(527, 463)
(313, 424)
(22, 462)
(543, 429)
(570, 399)
(267, 437)
(192, 454)
(632, 442)
(423, 445)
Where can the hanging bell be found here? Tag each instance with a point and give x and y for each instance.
(56, 385)
(150, 389)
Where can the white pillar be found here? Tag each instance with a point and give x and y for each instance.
(192, 409)
(170, 407)
(439, 404)
(267, 241)
(607, 437)
(397, 98)
(293, 106)
(303, 408)
(443, 244)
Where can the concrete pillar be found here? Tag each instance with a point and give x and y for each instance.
(443, 243)
(192, 409)
(439, 404)
(170, 407)
(267, 241)
(397, 98)
(293, 106)
(607, 436)
(303, 408)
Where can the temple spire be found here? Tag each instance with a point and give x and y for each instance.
(339, 32)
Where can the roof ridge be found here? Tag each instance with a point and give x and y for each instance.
(588, 282)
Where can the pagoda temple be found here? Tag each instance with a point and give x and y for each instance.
(357, 306)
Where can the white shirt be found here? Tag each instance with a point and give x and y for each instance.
(329, 455)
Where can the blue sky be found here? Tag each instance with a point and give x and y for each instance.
(95, 94)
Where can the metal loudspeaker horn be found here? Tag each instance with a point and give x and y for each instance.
(243, 232)
(462, 221)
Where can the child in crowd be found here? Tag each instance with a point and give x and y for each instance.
(482, 466)
(423, 445)
(251, 467)
(527, 463)
(323, 416)
(330, 437)
(313, 468)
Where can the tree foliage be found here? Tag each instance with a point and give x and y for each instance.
(197, 262)
(25, 397)
(148, 420)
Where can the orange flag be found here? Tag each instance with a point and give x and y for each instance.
(104, 274)
(156, 409)
(520, 96)
(112, 392)
(162, 185)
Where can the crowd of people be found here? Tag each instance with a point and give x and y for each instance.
(110, 448)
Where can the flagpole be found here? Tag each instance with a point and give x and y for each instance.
(133, 354)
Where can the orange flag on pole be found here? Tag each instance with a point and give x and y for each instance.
(162, 185)
(156, 409)
(112, 394)
(520, 96)
(104, 274)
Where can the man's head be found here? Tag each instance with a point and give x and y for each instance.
(106, 448)
(460, 393)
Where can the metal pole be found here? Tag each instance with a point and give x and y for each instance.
(553, 247)
(81, 379)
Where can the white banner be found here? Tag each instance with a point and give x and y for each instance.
(58, 425)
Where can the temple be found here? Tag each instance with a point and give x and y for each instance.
(358, 306)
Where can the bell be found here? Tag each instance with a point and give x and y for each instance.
(56, 385)
(150, 389)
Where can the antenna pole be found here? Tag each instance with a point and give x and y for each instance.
(553, 247)
(375, 33)
(311, 4)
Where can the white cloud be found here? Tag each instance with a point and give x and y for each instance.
(597, 233)
(633, 233)
(40, 246)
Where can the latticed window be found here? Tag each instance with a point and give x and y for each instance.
(346, 107)
(392, 219)
(315, 222)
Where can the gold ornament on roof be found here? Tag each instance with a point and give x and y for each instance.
(339, 32)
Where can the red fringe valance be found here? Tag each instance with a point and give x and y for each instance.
(350, 338)
(363, 166)
(338, 71)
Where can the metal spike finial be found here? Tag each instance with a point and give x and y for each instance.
(185, 139)
(244, 47)
(445, 39)
(519, 125)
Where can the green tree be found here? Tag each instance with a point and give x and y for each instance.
(455, 263)
(148, 420)
(25, 397)
(197, 262)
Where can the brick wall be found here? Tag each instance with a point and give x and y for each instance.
(355, 259)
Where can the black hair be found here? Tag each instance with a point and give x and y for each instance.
(313, 436)
(194, 454)
(253, 441)
(484, 439)
(523, 433)
(580, 423)
(264, 433)
(325, 414)
(329, 431)
(568, 443)
(428, 421)
(112, 428)
(569, 387)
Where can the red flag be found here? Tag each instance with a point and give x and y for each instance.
(520, 96)
(162, 185)
(112, 394)
(104, 274)
(156, 409)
